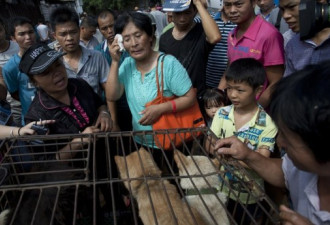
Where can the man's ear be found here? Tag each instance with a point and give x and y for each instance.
(13, 38)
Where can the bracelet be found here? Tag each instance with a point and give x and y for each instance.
(173, 106)
(18, 132)
(106, 112)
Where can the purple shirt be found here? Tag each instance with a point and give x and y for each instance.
(299, 54)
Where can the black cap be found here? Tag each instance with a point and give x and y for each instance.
(38, 58)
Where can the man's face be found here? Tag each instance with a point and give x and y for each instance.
(183, 20)
(239, 11)
(265, 5)
(24, 36)
(68, 36)
(87, 32)
(106, 26)
(290, 9)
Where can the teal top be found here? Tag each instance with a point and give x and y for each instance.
(138, 92)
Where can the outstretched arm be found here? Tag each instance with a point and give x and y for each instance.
(269, 169)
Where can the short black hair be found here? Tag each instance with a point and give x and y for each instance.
(247, 70)
(18, 21)
(301, 103)
(105, 12)
(88, 21)
(152, 4)
(140, 20)
(62, 15)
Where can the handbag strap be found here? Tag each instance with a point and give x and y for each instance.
(160, 91)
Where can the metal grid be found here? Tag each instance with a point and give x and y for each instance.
(40, 188)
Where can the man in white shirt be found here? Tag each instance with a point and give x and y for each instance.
(43, 32)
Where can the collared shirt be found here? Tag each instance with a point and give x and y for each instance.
(304, 192)
(259, 132)
(91, 44)
(261, 41)
(299, 54)
(139, 92)
(92, 67)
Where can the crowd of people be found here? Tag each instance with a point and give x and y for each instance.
(261, 87)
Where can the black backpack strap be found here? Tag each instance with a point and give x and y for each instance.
(278, 19)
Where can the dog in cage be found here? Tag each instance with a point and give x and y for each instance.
(200, 180)
(54, 204)
(157, 199)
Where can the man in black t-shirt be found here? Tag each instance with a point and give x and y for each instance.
(190, 42)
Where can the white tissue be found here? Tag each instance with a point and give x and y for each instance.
(120, 42)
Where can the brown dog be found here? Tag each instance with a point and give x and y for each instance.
(202, 184)
(157, 199)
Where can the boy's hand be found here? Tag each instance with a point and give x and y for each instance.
(290, 217)
(232, 146)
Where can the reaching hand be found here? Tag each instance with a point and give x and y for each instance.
(232, 146)
(290, 217)
(27, 128)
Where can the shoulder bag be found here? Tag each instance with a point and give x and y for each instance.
(187, 118)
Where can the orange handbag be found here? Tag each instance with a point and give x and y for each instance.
(187, 118)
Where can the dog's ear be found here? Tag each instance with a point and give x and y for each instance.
(180, 158)
(120, 161)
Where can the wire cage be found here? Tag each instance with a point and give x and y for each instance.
(113, 179)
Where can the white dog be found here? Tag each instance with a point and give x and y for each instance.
(197, 186)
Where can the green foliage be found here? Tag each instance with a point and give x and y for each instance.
(94, 6)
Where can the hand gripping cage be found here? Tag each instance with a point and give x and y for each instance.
(38, 187)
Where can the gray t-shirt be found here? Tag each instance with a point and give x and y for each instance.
(93, 68)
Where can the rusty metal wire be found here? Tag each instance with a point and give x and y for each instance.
(41, 188)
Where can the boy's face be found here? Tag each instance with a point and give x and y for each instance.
(24, 36)
(290, 13)
(300, 154)
(241, 94)
(239, 11)
(68, 36)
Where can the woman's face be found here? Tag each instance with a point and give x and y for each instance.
(53, 80)
(136, 42)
